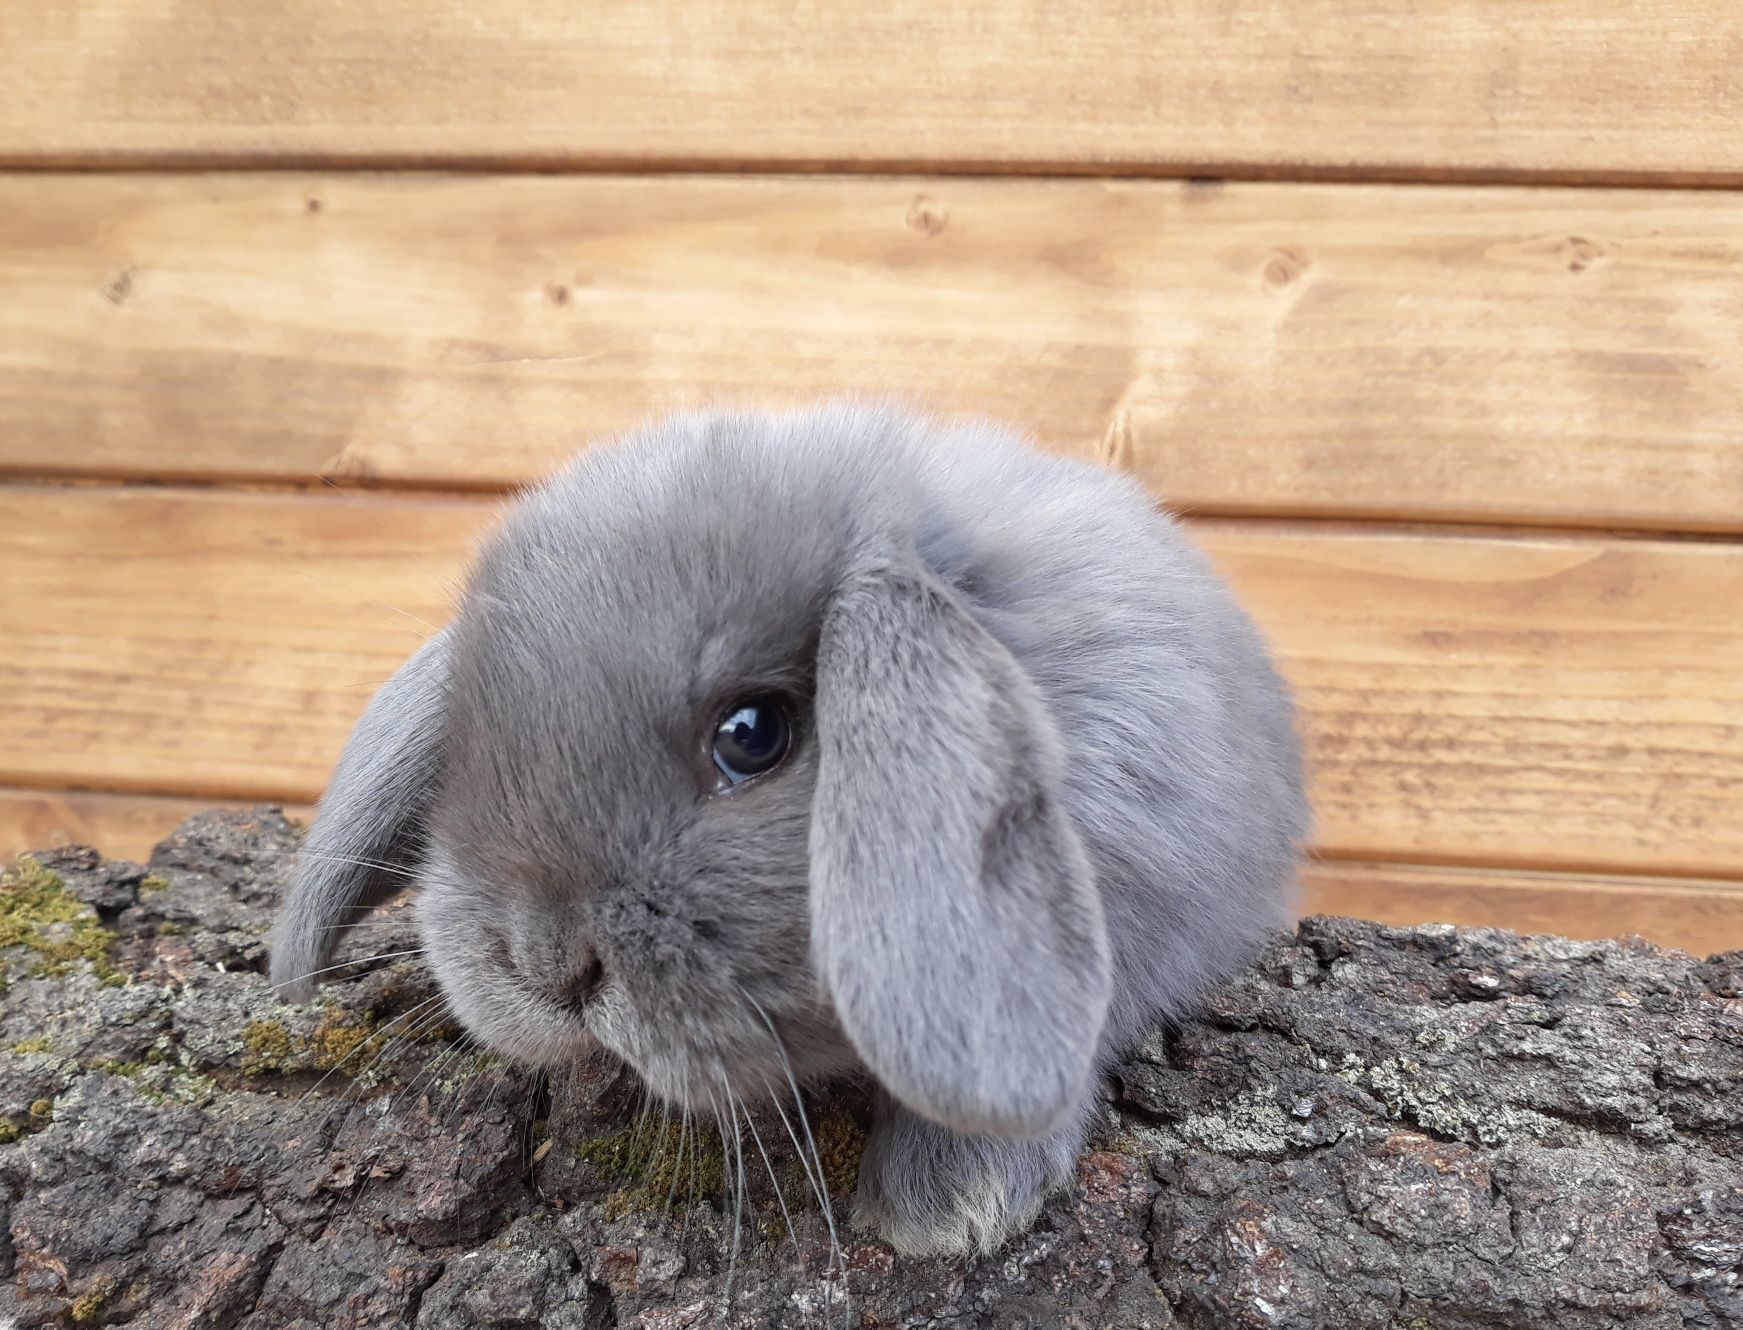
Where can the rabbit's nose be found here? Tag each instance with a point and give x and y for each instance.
(581, 986)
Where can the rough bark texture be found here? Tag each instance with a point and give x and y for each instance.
(1374, 1127)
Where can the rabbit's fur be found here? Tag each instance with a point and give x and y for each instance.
(1044, 788)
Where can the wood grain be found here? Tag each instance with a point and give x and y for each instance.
(1702, 917)
(1567, 703)
(207, 644)
(1564, 88)
(1537, 702)
(122, 826)
(1559, 357)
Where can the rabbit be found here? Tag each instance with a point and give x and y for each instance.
(772, 748)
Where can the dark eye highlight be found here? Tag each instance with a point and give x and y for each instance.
(752, 738)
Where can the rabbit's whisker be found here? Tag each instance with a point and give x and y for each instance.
(421, 875)
(640, 1121)
(354, 861)
(377, 604)
(657, 1144)
(837, 1260)
(690, 1195)
(434, 1059)
(740, 1199)
(345, 965)
(780, 1197)
(730, 1199)
(411, 1015)
(425, 1021)
(416, 1018)
(429, 1021)
(495, 1090)
(678, 1159)
(432, 1066)
(808, 1154)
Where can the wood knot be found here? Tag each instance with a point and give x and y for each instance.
(927, 215)
(1116, 445)
(1283, 267)
(557, 294)
(1202, 189)
(1581, 253)
(119, 287)
(313, 203)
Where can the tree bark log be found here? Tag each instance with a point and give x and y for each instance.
(1373, 1127)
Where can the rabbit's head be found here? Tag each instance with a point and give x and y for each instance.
(713, 769)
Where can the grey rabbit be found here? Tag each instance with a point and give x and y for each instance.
(836, 742)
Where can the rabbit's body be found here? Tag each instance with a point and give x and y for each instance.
(1041, 788)
(1181, 774)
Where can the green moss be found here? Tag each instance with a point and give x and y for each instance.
(651, 1169)
(269, 1047)
(653, 1172)
(338, 1038)
(170, 928)
(840, 1143)
(88, 1308)
(159, 1081)
(343, 1037)
(37, 1045)
(31, 896)
(37, 912)
(36, 1117)
(129, 1069)
(444, 1032)
(151, 883)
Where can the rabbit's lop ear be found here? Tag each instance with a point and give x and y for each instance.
(955, 920)
(370, 826)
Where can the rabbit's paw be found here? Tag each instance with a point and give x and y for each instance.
(929, 1191)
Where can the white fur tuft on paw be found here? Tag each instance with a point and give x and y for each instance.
(979, 1219)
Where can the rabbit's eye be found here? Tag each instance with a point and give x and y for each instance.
(752, 737)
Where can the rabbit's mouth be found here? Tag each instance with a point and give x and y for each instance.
(695, 1054)
(747, 1056)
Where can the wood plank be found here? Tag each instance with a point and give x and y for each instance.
(208, 644)
(122, 826)
(1371, 87)
(1567, 703)
(1571, 703)
(1473, 354)
(1700, 917)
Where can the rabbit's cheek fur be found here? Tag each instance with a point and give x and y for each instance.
(470, 950)
(703, 978)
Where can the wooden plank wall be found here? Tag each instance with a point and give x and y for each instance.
(1428, 314)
